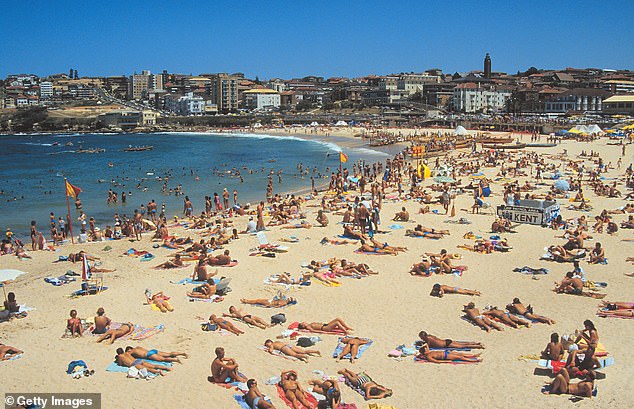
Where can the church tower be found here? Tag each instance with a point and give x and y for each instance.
(487, 67)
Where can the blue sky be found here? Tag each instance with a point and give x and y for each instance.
(297, 38)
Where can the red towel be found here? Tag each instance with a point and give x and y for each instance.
(310, 398)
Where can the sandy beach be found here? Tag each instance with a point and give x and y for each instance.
(389, 308)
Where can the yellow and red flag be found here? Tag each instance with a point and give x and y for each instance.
(343, 158)
(71, 190)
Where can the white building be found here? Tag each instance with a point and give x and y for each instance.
(261, 98)
(46, 89)
(188, 104)
(473, 98)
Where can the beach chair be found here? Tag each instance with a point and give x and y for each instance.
(266, 246)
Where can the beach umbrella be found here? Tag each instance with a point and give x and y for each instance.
(562, 185)
(478, 175)
(6, 276)
(444, 179)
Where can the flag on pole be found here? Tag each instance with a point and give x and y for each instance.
(343, 158)
(71, 190)
(85, 269)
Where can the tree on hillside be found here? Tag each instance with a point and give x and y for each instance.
(70, 73)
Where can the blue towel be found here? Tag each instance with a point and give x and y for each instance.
(395, 227)
(113, 367)
(340, 347)
(189, 280)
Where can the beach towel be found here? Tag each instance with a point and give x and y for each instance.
(395, 227)
(310, 398)
(140, 333)
(233, 263)
(189, 280)
(371, 253)
(530, 270)
(90, 291)
(213, 298)
(61, 280)
(114, 367)
(340, 346)
(277, 353)
(12, 357)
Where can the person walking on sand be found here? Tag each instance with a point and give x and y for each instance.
(260, 212)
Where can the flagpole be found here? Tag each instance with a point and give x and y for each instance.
(70, 223)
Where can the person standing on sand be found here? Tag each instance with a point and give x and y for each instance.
(235, 196)
(260, 211)
(225, 198)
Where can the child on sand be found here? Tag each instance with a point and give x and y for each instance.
(74, 324)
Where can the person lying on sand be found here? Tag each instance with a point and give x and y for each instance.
(77, 257)
(204, 291)
(335, 242)
(337, 325)
(224, 324)
(176, 262)
(435, 342)
(276, 302)
(442, 260)
(473, 314)
(241, 315)
(506, 317)
(446, 356)
(126, 359)
(290, 350)
(154, 354)
(371, 389)
(516, 307)
(159, 299)
(328, 388)
(254, 398)
(420, 233)
(440, 290)
(352, 345)
(285, 278)
(502, 225)
(561, 255)
(359, 269)
(7, 352)
(302, 225)
(562, 385)
(421, 269)
(220, 260)
(293, 390)
(224, 370)
(350, 233)
(113, 334)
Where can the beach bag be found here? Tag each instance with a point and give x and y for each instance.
(305, 342)
(208, 326)
(278, 319)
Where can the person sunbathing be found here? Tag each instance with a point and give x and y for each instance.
(322, 219)
(561, 255)
(597, 255)
(629, 223)
(200, 271)
(473, 314)
(367, 248)
(171, 244)
(419, 233)
(421, 269)
(204, 291)
(254, 398)
(154, 354)
(562, 385)
(276, 302)
(176, 262)
(440, 290)
(402, 216)
(224, 370)
(442, 261)
(360, 269)
(159, 299)
(435, 342)
(326, 276)
(77, 257)
(102, 323)
(302, 225)
(285, 278)
(571, 284)
(126, 359)
(445, 356)
(220, 260)
(293, 390)
(555, 349)
(516, 307)
(352, 345)
(350, 233)
(613, 306)
(241, 315)
(337, 325)
(114, 333)
(506, 318)
(329, 389)
(290, 350)
(362, 381)
(385, 246)
(7, 352)
(224, 324)
(336, 242)
(73, 324)
(502, 225)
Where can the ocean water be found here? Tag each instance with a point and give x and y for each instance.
(33, 168)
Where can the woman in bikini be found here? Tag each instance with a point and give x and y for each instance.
(506, 318)
(473, 314)
(204, 291)
(352, 345)
(336, 325)
(113, 334)
(440, 290)
(445, 356)
(158, 299)
(363, 382)
(562, 385)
